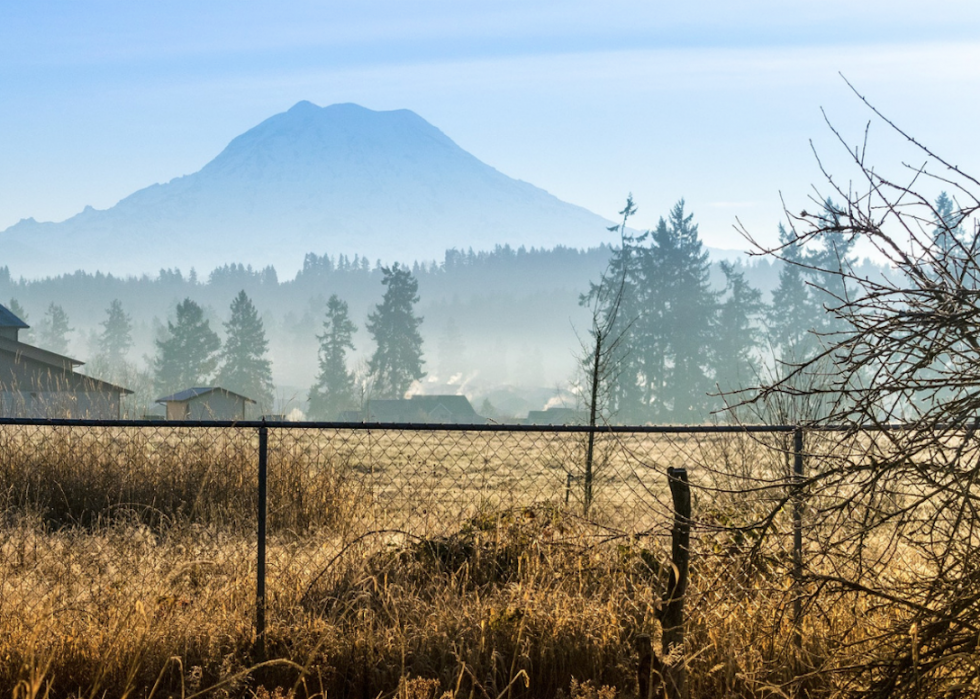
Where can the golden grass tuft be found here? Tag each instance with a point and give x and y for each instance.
(127, 569)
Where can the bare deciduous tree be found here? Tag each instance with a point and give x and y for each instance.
(602, 353)
(894, 526)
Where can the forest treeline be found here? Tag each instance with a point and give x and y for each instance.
(485, 319)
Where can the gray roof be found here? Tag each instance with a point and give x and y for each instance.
(9, 320)
(394, 410)
(103, 386)
(190, 393)
(419, 408)
(56, 361)
(37, 354)
(458, 406)
(557, 416)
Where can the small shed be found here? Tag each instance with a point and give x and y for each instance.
(205, 403)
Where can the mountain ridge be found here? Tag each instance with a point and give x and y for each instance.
(341, 179)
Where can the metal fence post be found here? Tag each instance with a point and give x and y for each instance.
(260, 562)
(798, 533)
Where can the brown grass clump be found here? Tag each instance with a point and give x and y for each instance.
(127, 568)
(99, 476)
(520, 603)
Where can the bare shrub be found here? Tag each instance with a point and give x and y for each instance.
(892, 510)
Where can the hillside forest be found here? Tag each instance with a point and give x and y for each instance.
(509, 328)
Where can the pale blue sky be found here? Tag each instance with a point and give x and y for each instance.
(712, 101)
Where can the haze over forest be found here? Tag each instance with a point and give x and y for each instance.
(514, 124)
(315, 202)
(340, 180)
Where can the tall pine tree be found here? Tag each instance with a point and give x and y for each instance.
(116, 338)
(794, 314)
(245, 366)
(948, 229)
(397, 359)
(676, 329)
(53, 333)
(737, 332)
(334, 390)
(829, 264)
(800, 319)
(188, 354)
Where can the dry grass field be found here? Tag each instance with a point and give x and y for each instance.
(408, 564)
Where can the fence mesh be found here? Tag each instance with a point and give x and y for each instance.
(123, 542)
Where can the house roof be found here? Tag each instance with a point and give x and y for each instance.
(56, 361)
(37, 354)
(9, 320)
(444, 408)
(557, 416)
(103, 386)
(191, 393)
(458, 406)
(394, 410)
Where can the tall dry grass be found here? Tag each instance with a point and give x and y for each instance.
(163, 478)
(127, 569)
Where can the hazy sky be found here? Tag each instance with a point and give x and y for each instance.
(712, 101)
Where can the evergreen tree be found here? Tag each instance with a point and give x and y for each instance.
(793, 320)
(829, 263)
(26, 334)
(947, 262)
(800, 321)
(53, 333)
(793, 314)
(116, 338)
(334, 390)
(676, 329)
(188, 354)
(652, 337)
(397, 360)
(737, 333)
(948, 224)
(245, 367)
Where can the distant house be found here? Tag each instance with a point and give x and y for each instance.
(37, 383)
(445, 409)
(557, 416)
(205, 403)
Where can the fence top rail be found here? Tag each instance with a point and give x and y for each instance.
(405, 426)
(446, 427)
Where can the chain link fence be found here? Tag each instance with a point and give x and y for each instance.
(246, 537)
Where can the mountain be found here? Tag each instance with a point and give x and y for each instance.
(340, 179)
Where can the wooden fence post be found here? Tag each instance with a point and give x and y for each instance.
(649, 670)
(644, 651)
(672, 621)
